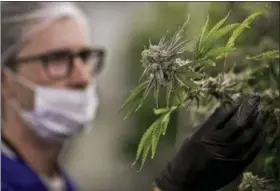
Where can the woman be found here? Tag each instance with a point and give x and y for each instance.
(48, 90)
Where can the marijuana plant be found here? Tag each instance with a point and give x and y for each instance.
(181, 75)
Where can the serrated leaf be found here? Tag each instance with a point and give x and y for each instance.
(271, 54)
(150, 85)
(209, 42)
(144, 156)
(144, 141)
(200, 39)
(219, 51)
(155, 138)
(217, 26)
(132, 109)
(245, 24)
(136, 92)
(178, 35)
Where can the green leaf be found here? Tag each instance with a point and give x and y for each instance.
(144, 142)
(150, 138)
(145, 155)
(219, 51)
(199, 41)
(132, 109)
(245, 24)
(217, 26)
(151, 84)
(185, 81)
(210, 63)
(166, 119)
(165, 123)
(188, 74)
(155, 138)
(135, 93)
(271, 54)
(161, 110)
(269, 160)
(178, 95)
(156, 93)
(275, 73)
(169, 89)
(209, 42)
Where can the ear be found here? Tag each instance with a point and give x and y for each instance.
(6, 84)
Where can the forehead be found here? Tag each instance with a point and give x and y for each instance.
(64, 33)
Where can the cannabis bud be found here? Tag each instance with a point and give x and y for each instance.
(251, 182)
(162, 63)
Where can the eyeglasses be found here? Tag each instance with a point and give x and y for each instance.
(59, 64)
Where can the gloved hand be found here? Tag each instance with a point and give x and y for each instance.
(219, 151)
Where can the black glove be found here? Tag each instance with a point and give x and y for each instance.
(219, 151)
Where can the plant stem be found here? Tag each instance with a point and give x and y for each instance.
(279, 78)
(225, 63)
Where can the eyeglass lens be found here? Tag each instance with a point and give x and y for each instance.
(61, 64)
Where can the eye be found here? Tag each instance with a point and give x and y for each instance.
(59, 56)
(85, 55)
(58, 63)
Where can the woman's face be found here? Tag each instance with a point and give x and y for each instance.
(62, 38)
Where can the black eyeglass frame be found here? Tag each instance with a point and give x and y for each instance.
(44, 59)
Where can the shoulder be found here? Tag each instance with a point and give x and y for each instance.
(7, 168)
(5, 174)
(12, 172)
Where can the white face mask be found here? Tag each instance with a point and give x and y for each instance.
(60, 113)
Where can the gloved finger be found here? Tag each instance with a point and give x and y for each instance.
(250, 133)
(260, 123)
(220, 116)
(242, 117)
(243, 144)
(225, 113)
(254, 137)
(255, 148)
(220, 150)
(237, 149)
(246, 110)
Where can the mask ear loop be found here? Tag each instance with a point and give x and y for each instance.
(13, 103)
(20, 79)
(26, 119)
